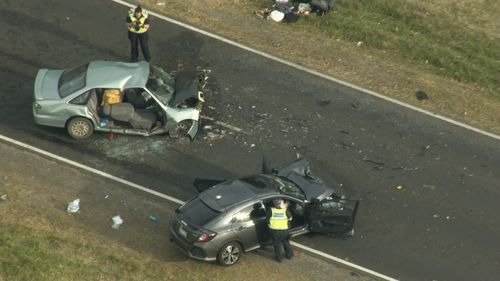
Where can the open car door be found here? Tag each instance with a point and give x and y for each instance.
(332, 216)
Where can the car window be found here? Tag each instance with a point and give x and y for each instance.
(197, 212)
(72, 80)
(243, 215)
(249, 213)
(81, 99)
(161, 84)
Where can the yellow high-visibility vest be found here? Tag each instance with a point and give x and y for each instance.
(134, 20)
(278, 220)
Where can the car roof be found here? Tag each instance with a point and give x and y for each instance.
(119, 75)
(230, 193)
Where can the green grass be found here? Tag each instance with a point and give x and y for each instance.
(417, 34)
(43, 256)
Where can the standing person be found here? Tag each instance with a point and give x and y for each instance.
(278, 218)
(138, 25)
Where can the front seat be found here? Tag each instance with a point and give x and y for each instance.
(125, 112)
(121, 111)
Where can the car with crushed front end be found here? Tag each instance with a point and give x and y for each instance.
(228, 217)
(148, 101)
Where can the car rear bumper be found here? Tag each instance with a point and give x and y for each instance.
(190, 249)
(47, 120)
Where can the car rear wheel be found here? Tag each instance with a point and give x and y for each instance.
(80, 128)
(229, 254)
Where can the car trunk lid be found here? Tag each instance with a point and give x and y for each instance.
(46, 84)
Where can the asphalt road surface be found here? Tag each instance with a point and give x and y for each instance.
(442, 224)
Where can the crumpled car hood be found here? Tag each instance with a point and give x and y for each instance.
(299, 173)
(186, 86)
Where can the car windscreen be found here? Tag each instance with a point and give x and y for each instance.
(289, 188)
(72, 80)
(197, 212)
(161, 84)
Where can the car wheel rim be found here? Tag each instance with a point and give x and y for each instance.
(183, 128)
(231, 254)
(80, 128)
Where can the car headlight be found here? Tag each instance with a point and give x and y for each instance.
(37, 106)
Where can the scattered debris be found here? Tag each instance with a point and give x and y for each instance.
(153, 218)
(212, 135)
(107, 196)
(3, 198)
(359, 43)
(435, 216)
(117, 222)
(73, 206)
(421, 95)
(399, 187)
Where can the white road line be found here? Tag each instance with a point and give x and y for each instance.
(172, 199)
(319, 74)
(341, 261)
(89, 169)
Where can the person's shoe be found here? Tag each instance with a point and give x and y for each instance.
(279, 260)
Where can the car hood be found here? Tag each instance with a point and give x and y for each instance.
(46, 84)
(299, 173)
(186, 86)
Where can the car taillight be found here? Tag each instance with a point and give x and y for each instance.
(206, 236)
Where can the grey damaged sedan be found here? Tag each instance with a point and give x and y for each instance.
(152, 101)
(228, 217)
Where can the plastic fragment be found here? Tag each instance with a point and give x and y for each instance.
(73, 206)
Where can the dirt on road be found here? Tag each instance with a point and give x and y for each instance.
(39, 240)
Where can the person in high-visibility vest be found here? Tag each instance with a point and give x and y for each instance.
(138, 26)
(278, 218)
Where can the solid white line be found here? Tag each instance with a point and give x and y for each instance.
(341, 261)
(319, 74)
(89, 169)
(169, 198)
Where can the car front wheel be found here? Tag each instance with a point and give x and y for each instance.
(229, 254)
(183, 129)
(80, 128)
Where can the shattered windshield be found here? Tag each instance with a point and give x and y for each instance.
(161, 84)
(286, 187)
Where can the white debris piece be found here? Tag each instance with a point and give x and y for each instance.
(117, 221)
(74, 206)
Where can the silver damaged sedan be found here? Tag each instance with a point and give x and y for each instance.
(127, 98)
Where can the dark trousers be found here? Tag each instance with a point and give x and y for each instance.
(281, 239)
(135, 40)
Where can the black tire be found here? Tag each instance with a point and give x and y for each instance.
(80, 128)
(229, 254)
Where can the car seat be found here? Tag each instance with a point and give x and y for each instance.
(125, 112)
